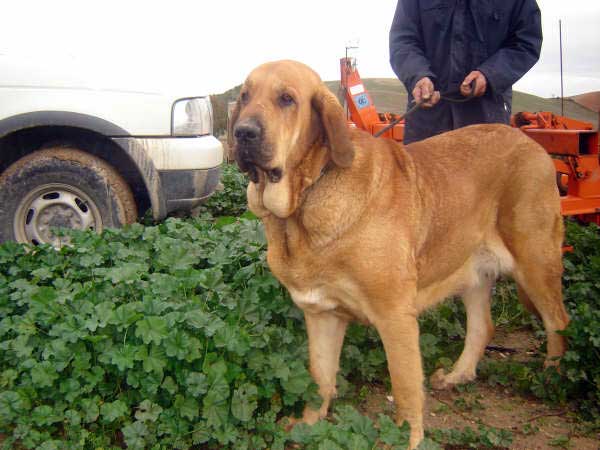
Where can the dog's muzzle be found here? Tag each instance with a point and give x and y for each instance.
(251, 152)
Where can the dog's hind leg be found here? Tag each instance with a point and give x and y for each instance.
(325, 338)
(526, 301)
(538, 270)
(540, 282)
(480, 330)
(531, 227)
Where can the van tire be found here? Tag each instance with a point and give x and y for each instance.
(61, 187)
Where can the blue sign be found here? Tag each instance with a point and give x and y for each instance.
(361, 101)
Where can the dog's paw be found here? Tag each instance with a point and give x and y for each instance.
(552, 362)
(439, 381)
(309, 417)
(442, 381)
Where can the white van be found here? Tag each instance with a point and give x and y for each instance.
(79, 152)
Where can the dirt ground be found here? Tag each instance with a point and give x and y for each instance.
(534, 424)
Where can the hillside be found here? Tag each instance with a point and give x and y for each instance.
(591, 100)
(389, 95)
(528, 102)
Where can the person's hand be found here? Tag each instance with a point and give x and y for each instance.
(424, 93)
(480, 84)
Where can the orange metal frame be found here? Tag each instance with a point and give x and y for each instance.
(573, 144)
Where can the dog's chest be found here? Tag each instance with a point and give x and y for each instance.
(341, 297)
(314, 300)
(311, 276)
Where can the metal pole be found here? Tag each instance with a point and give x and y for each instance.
(562, 98)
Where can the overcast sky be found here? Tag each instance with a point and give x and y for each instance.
(212, 45)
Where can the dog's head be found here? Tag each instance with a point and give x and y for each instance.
(285, 127)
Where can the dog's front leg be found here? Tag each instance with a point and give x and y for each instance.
(399, 332)
(325, 338)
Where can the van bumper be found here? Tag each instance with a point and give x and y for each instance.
(179, 172)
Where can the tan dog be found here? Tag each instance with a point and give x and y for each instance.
(366, 229)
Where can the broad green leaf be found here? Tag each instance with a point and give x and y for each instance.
(135, 434)
(124, 315)
(297, 383)
(152, 329)
(216, 412)
(44, 374)
(217, 370)
(124, 356)
(328, 444)
(202, 320)
(59, 353)
(392, 434)
(230, 337)
(202, 433)
(111, 411)
(187, 406)
(148, 411)
(70, 388)
(44, 415)
(43, 273)
(428, 444)
(43, 298)
(68, 329)
(197, 384)
(7, 378)
(12, 405)
(244, 402)
(280, 368)
(126, 273)
(73, 417)
(51, 444)
(103, 311)
(177, 344)
(215, 402)
(169, 385)
(357, 422)
(153, 360)
(20, 345)
(210, 278)
(91, 260)
(90, 409)
(194, 350)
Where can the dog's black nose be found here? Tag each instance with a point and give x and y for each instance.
(248, 132)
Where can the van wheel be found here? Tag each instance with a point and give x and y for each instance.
(61, 188)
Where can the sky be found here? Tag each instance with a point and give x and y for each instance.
(210, 46)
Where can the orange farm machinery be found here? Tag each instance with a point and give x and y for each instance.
(573, 144)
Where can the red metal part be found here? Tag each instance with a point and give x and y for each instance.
(573, 144)
(361, 109)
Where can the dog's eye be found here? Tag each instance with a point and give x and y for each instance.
(244, 97)
(286, 99)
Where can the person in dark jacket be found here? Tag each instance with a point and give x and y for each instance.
(443, 45)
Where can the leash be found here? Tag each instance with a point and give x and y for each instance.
(450, 97)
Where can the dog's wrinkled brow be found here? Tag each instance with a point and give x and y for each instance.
(248, 84)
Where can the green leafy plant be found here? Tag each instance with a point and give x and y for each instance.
(482, 437)
(231, 200)
(174, 334)
(581, 363)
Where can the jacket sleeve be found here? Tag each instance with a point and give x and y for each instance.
(407, 55)
(519, 51)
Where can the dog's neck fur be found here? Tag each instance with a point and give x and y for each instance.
(317, 221)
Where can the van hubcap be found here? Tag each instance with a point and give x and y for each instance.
(53, 206)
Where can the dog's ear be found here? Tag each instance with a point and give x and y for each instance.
(333, 119)
(232, 117)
